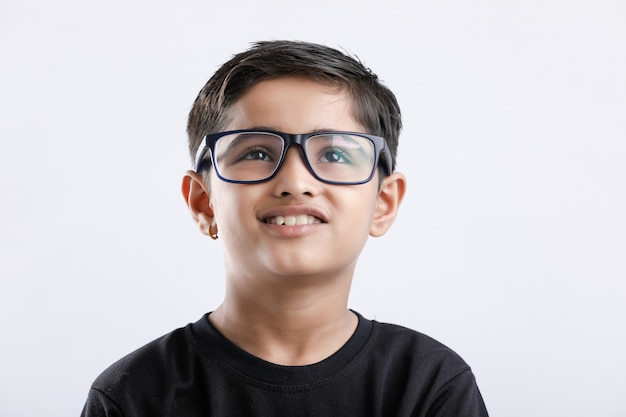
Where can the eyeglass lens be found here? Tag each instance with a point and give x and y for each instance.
(254, 156)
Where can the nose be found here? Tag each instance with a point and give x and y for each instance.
(293, 177)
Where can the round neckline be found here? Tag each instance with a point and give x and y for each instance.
(254, 369)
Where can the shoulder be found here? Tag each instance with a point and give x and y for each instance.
(411, 349)
(424, 370)
(153, 362)
(393, 336)
(140, 377)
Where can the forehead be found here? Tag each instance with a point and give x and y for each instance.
(293, 104)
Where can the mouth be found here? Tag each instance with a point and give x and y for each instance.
(299, 220)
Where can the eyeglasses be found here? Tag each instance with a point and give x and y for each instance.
(253, 156)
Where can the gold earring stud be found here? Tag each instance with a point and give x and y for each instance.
(211, 233)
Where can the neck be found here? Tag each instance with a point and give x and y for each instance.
(291, 325)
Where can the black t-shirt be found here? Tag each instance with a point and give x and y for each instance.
(383, 370)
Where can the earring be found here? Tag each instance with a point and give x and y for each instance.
(212, 234)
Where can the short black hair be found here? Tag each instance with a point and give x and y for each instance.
(375, 107)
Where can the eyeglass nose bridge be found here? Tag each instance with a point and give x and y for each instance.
(298, 140)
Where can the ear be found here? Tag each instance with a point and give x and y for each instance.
(390, 196)
(198, 199)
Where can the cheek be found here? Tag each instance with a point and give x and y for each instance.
(360, 209)
(225, 209)
(234, 207)
(221, 200)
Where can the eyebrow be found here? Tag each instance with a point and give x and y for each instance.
(317, 130)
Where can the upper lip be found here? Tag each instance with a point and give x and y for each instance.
(295, 210)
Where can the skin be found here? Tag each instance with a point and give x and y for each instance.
(287, 287)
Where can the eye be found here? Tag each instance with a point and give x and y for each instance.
(256, 154)
(334, 155)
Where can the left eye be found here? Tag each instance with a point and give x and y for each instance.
(334, 155)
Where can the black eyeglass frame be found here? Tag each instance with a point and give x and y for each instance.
(380, 149)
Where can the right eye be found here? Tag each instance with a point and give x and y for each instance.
(256, 154)
(248, 149)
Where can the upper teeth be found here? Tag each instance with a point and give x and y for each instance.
(293, 220)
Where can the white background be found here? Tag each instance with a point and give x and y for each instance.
(510, 247)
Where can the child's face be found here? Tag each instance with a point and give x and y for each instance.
(338, 218)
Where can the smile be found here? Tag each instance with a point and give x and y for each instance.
(299, 220)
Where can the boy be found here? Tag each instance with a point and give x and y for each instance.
(294, 146)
